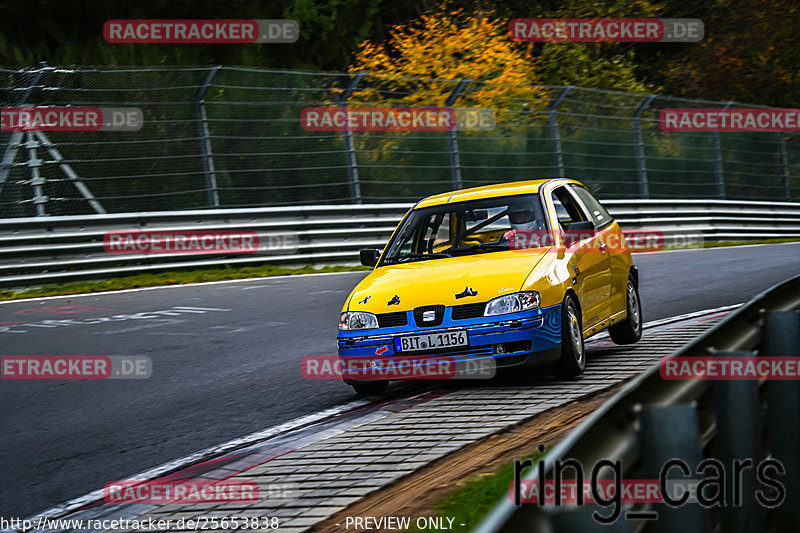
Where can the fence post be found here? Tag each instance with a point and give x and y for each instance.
(452, 140)
(39, 199)
(784, 166)
(554, 134)
(15, 141)
(641, 168)
(205, 139)
(719, 171)
(349, 147)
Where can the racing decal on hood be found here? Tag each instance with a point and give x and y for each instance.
(467, 292)
(365, 299)
(394, 301)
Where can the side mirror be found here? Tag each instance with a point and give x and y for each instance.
(369, 257)
(577, 231)
(581, 226)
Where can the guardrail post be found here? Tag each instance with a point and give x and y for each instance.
(349, 147)
(784, 167)
(452, 139)
(780, 337)
(719, 171)
(15, 141)
(555, 137)
(205, 138)
(641, 168)
(670, 432)
(738, 417)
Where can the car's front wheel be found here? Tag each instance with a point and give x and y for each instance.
(629, 330)
(573, 351)
(369, 388)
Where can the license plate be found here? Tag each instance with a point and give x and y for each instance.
(431, 341)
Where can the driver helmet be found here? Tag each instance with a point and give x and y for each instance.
(522, 217)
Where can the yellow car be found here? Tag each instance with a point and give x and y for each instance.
(519, 273)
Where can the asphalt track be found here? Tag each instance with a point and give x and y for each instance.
(226, 362)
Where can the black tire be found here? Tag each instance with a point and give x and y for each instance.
(629, 330)
(369, 388)
(573, 351)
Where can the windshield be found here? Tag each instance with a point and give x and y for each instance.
(463, 228)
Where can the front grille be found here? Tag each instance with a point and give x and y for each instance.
(457, 352)
(474, 310)
(437, 319)
(392, 320)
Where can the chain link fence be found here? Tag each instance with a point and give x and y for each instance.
(231, 137)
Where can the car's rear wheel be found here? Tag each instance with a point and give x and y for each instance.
(573, 351)
(369, 388)
(629, 330)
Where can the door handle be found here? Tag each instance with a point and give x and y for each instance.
(603, 247)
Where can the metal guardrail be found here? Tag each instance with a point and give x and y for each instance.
(41, 250)
(652, 420)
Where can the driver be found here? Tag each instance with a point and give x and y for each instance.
(522, 219)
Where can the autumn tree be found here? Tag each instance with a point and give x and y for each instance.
(749, 54)
(421, 62)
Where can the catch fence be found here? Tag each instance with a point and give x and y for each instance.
(230, 137)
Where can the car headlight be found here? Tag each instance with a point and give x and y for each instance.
(357, 320)
(512, 303)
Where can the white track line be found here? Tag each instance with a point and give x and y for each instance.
(687, 316)
(122, 291)
(197, 457)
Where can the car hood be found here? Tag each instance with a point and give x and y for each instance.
(438, 281)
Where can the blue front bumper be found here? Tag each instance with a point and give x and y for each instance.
(536, 335)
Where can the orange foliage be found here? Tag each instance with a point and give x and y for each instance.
(443, 47)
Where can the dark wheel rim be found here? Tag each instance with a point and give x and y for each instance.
(633, 307)
(575, 334)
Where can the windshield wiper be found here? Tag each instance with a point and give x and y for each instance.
(475, 247)
(435, 255)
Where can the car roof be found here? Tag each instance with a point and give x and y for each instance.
(488, 191)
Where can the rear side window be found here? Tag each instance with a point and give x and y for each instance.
(597, 213)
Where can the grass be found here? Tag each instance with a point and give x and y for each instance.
(472, 501)
(722, 244)
(169, 278)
